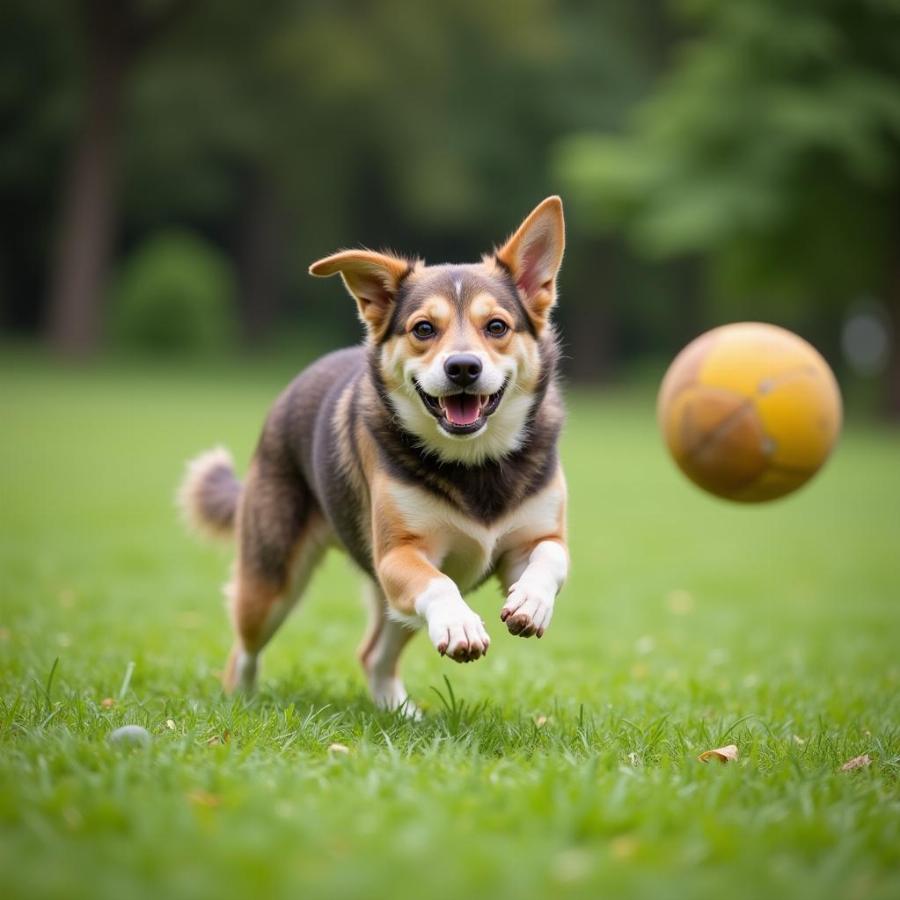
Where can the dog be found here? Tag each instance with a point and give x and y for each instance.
(428, 454)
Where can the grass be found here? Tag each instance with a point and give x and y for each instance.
(564, 768)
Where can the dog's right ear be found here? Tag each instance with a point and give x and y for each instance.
(372, 279)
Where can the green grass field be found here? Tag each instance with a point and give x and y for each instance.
(560, 768)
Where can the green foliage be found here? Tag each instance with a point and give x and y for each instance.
(378, 122)
(773, 144)
(559, 768)
(175, 295)
(427, 128)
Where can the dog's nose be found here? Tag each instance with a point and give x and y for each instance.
(463, 369)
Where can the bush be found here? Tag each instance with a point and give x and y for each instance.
(176, 295)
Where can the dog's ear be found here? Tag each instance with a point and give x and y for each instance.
(372, 279)
(533, 256)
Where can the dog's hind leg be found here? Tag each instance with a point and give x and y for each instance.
(379, 654)
(282, 536)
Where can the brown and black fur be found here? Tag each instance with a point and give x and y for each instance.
(309, 485)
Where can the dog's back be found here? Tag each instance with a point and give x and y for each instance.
(311, 427)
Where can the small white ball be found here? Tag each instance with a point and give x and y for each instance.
(130, 735)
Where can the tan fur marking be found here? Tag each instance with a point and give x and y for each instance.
(436, 310)
(401, 556)
(404, 573)
(482, 307)
(253, 599)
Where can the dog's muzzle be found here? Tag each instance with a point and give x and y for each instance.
(462, 412)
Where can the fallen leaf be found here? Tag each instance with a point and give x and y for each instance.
(722, 754)
(624, 846)
(338, 748)
(679, 602)
(216, 739)
(858, 762)
(107, 703)
(204, 798)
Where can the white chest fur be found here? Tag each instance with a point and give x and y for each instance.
(468, 550)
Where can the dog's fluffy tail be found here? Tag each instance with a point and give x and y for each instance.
(209, 494)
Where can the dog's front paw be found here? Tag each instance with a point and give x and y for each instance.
(528, 608)
(458, 632)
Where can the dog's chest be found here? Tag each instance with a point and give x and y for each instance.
(466, 549)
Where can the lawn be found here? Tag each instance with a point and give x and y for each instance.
(560, 768)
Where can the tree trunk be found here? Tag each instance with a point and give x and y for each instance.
(260, 261)
(87, 217)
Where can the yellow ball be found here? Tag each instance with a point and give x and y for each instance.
(749, 411)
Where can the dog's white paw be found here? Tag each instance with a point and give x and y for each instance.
(528, 608)
(389, 694)
(458, 632)
(455, 630)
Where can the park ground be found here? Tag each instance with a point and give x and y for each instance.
(563, 767)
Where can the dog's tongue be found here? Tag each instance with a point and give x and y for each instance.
(462, 409)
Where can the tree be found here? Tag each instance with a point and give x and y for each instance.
(772, 149)
(115, 34)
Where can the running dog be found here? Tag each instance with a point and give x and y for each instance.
(429, 455)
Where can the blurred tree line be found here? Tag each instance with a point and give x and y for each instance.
(718, 160)
(769, 151)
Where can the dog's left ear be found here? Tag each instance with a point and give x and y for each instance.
(372, 279)
(533, 256)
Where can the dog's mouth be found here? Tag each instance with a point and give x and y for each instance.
(461, 413)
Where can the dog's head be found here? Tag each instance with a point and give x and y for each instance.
(458, 347)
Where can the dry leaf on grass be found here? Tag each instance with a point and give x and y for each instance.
(200, 797)
(722, 754)
(858, 762)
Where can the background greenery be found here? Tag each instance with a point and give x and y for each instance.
(564, 767)
(719, 161)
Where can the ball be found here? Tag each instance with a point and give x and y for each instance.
(130, 735)
(749, 411)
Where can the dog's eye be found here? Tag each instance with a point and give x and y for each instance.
(423, 330)
(497, 328)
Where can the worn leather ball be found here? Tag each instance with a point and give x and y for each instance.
(749, 411)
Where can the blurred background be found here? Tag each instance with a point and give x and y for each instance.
(169, 168)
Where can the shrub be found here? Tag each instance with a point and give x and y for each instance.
(175, 294)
